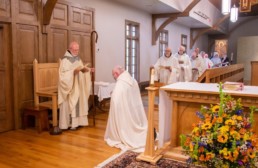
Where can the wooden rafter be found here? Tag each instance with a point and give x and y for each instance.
(201, 31)
(47, 11)
(172, 17)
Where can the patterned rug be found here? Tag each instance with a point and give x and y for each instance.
(128, 160)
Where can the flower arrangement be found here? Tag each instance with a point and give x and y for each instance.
(223, 137)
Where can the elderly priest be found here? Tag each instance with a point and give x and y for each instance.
(127, 122)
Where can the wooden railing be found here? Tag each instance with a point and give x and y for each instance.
(232, 73)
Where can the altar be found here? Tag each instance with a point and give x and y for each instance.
(179, 102)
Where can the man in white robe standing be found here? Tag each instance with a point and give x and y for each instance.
(73, 89)
(167, 68)
(185, 73)
(127, 122)
(197, 66)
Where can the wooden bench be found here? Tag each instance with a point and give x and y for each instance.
(40, 114)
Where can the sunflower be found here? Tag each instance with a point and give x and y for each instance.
(206, 125)
(230, 122)
(251, 153)
(223, 138)
(215, 109)
(224, 129)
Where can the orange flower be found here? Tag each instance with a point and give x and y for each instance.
(223, 138)
(202, 158)
(219, 120)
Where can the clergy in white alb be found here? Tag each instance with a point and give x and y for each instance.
(197, 66)
(207, 62)
(216, 60)
(167, 68)
(185, 72)
(127, 122)
(73, 89)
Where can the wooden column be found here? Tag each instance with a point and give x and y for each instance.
(150, 154)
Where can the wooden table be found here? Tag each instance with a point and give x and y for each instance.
(180, 101)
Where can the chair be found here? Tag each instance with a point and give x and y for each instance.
(45, 85)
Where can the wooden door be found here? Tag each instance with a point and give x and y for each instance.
(6, 113)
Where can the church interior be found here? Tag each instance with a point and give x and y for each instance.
(35, 34)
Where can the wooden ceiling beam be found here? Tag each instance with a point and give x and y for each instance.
(48, 10)
(172, 17)
(201, 31)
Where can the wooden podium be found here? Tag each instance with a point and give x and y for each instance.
(186, 99)
(150, 154)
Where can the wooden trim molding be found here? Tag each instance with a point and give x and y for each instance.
(201, 31)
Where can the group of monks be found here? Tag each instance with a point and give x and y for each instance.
(180, 67)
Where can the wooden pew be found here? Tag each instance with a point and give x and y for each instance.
(232, 73)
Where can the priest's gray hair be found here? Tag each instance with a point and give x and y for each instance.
(118, 69)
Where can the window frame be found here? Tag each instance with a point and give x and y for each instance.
(163, 42)
(136, 72)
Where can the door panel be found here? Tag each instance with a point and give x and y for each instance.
(6, 114)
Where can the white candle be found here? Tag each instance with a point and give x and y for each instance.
(152, 77)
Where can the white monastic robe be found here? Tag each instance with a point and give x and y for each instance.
(208, 63)
(197, 63)
(185, 73)
(73, 93)
(127, 122)
(216, 61)
(164, 75)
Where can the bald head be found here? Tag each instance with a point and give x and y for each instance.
(168, 52)
(74, 48)
(181, 50)
(116, 71)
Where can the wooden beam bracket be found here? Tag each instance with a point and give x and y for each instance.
(48, 10)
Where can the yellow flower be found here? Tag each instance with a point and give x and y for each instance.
(230, 122)
(239, 118)
(225, 166)
(235, 154)
(246, 137)
(209, 155)
(206, 125)
(223, 138)
(251, 153)
(235, 135)
(224, 129)
(215, 109)
(191, 147)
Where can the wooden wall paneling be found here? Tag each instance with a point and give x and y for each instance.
(81, 18)
(27, 50)
(27, 11)
(5, 10)
(59, 15)
(6, 112)
(57, 44)
(84, 40)
(254, 72)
